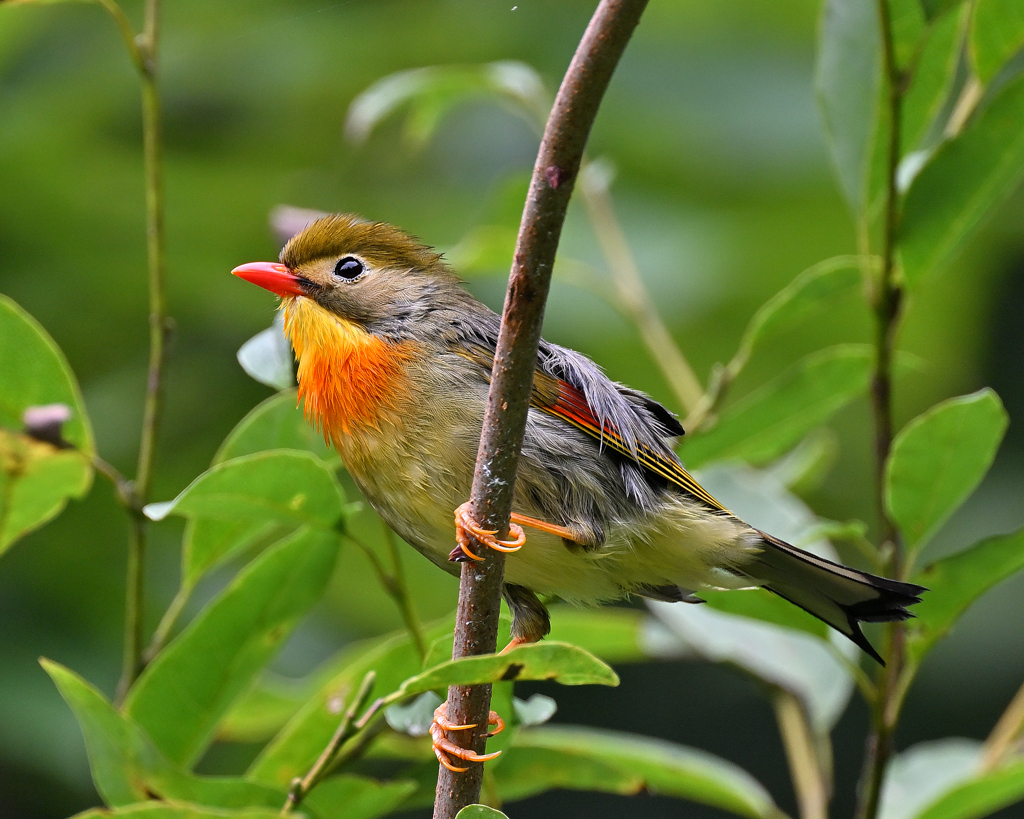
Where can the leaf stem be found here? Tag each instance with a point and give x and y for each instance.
(166, 624)
(1007, 731)
(144, 54)
(303, 785)
(809, 780)
(554, 175)
(886, 299)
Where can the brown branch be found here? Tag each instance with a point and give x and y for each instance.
(554, 174)
(886, 300)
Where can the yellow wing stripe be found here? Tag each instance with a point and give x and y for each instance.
(672, 471)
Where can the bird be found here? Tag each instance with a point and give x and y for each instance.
(394, 359)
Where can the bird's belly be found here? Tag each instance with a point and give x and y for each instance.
(417, 490)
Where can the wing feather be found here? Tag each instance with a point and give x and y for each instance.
(560, 398)
(571, 406)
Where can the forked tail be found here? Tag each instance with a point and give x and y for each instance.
(842, 597)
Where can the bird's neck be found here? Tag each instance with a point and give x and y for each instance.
(348, 378)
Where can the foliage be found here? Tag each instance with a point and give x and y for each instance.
(271, 510)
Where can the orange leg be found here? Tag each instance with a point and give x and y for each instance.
(543, 526)
(444, 746)
(464, 525)
(515, 642)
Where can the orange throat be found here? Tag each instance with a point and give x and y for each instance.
(348, 378)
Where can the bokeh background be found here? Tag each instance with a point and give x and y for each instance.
(725, 192)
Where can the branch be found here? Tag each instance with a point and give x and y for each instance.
(555, 171)
(302, 786)
(145, 57)
(886, 299)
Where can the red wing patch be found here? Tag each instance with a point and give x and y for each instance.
(571, 406)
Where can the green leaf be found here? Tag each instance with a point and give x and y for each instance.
(933, 77)
(537, 710)
(933, 8)
(923, 773)
(282, 485)
(36, 479)
(773, 418)
(909, 25)
(356, 797)
(416, 717)
(938, 459)
(296, 747)
(548, 660)
(955, 582)
(982, 796)
(479, 812)
(209, 542)
(277, 423)
(432, 92)
(34, 372)
(178, 810)
(847, 78)
(126, 766)
(793, 660)
(806, 293)
(760, 604)
(181, 696)
(996, 36)
(664, 767)
(267, 357)
(965, 181)
(526, 772)
(265, 708)
(615, 635)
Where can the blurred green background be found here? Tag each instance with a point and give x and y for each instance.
(725, 192)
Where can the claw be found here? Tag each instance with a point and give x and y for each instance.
(466, 525)
(444, 746)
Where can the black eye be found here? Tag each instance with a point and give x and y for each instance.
(349, 268)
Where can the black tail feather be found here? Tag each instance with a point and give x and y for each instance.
(840, 596)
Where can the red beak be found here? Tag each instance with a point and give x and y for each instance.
(271, 276)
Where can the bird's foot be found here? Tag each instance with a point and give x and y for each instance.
(443, 747)
(465, 526)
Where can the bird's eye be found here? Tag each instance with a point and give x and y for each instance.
(349, 268)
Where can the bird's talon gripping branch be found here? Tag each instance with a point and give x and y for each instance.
(465, 526)
(444, 746)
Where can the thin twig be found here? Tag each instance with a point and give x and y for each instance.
(633, 298)
(145, 56)
(886, 298)
(124, 487)
(166, 624)
(403, 598)
(554, 175)
(303, 785)
(394, 585)
(1006, 732)
(809, 781)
